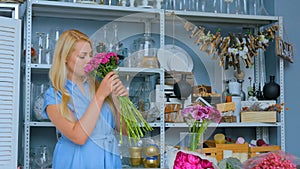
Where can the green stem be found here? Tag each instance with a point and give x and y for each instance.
(133, 119)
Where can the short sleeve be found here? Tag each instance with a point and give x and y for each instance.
(50, 97)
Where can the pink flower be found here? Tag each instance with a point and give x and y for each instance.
(190, 161)
(101, 64)
(206, 164)
(272, 160)
(104, 60)
(193, 159)
(88, 68)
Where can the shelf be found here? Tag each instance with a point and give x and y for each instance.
(44, 68)
(142, 71)
(41, 124)
(222, 18)
(90, 11)
(228, 125)
(50, 124)
(105, 12)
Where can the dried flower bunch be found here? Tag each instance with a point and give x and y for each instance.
(232, 48)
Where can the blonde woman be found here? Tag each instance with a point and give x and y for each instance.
(82, 111)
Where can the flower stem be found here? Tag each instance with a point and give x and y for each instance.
(133, 120)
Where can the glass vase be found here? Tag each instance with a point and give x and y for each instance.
(189, 141)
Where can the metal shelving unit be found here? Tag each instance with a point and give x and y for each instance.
(93, 12)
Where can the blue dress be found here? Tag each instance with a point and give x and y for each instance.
(100, 150)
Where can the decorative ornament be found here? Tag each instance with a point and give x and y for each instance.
(284, 50)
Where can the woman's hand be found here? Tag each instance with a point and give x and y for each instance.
(106, 86)
(119, 89)
(111, 84)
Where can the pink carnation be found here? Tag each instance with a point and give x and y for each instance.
(190, 161)
(101, 64)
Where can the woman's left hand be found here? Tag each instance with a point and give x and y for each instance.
(119, 89)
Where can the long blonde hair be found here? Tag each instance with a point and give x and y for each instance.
(58, 71)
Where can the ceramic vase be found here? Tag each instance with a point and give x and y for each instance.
(271, 90)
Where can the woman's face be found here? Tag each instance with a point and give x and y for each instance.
(78, 60)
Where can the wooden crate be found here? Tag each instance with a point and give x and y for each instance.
(258, 116)
(224, 107)
(254, 151)
(209, 152)
(235, 148)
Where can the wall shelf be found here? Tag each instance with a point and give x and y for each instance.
(40, 11)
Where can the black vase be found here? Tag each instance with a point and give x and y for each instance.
(271, 90)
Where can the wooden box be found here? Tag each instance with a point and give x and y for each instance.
(254, 151)
(172, 112)
(228, 119)
(224, 107)
(240, 149)
(259, 116)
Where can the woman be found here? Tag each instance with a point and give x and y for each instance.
(82, 111)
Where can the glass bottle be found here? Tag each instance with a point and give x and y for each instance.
(147, 49)
(237, 4)
(228, 2)
(262, 10)
(215, 7)
(203, 4)
(100, 48)
(131, 3)
(146, 93)
(243, 94)
(48, 55)
(225, 93)
(107, 43)
(253, 7)
(116, 44)
(41, 47)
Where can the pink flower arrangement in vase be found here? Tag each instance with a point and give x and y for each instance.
(198, 118)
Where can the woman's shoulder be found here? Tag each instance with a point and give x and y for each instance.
(51, 92)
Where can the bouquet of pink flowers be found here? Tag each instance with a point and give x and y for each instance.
(271, 160)
(100, 65)
(189, 160)
(198, 118)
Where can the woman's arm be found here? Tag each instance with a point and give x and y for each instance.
(79, 131)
